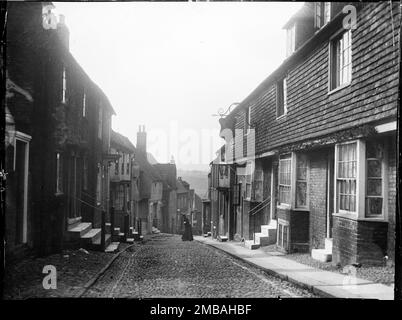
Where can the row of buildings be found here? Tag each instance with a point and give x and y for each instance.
(70, 179)
(310, 156)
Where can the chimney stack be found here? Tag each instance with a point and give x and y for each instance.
(142, 140)
(63, 32)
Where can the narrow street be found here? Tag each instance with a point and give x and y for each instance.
(165, 266)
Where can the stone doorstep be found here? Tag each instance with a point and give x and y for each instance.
(113, 247)
(249, 244)
(97, 242)
(80, 229)
(73, 222)
(92, 235)
(116, 231)
(261, 239)
(322, 255)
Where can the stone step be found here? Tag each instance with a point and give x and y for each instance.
(261, 239)
(96, 243)
(113, 247)
(322, 255)
(116, 231)
(79, 230)
(223, 238)
(92, 235)
(249, 244)
(73, 222)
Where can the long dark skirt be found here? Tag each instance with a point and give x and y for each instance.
(188, 233)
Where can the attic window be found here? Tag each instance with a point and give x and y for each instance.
(290, 39)
(322, 14)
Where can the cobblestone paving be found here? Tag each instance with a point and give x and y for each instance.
(165, 266)
(23, 279)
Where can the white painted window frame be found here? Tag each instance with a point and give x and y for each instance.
(331, 51)
(292, 181)
(361, 179)
(290, 39)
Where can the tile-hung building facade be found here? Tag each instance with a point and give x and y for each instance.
(58, 157)
(123, 183)
(325, 135)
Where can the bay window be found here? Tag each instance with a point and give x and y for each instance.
(285, 178)
(346, 180)
(301, 181)
(374, 179)
(293, 180)
(359, 174)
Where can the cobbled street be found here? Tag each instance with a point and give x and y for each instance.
(166, 266)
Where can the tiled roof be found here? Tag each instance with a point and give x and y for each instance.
(121, 141)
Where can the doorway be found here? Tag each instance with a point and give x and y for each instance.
(21, 166)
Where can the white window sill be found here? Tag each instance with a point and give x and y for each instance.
(283, 206)
(341, 87)
(354, 216)
(282, 117)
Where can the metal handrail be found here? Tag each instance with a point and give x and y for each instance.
(260, 204)
(267, 203)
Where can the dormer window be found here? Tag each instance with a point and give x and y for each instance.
(290, 39)
(322, 14)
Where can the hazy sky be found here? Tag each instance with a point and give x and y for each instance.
(171, 66)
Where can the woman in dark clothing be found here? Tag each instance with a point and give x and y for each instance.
(188, 233)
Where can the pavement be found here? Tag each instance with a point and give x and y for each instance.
(320, 282)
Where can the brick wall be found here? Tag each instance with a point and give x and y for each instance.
(344, 241)
(362, 242)
(372, 242)
(317, 197)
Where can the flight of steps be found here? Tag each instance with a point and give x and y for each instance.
(155, 230)
(82, 234)
(266, 237)
(133, 236)
(121, 237)
(323, 255)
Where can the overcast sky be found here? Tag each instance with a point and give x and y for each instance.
(171, 66)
